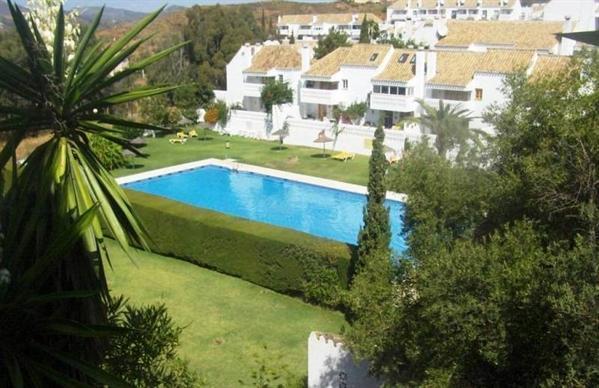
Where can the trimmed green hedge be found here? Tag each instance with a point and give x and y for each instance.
(281, 259)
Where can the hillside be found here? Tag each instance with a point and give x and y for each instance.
(111, 17)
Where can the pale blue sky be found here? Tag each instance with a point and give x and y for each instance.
(149, 5)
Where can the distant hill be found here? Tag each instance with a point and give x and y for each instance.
(111, 17)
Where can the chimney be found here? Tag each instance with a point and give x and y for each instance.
(568, 24)
(420, 61)
(431, 64)
(306, 53)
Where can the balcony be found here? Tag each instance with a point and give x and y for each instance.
(393, 103)
(252, 89)
(321, 96)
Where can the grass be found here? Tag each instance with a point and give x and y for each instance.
(226, 320)
(303, 160)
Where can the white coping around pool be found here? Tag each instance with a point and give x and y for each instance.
(233, 165)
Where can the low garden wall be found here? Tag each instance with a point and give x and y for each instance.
(281, 259)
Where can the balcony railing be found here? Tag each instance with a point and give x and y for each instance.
(392, 102)
(320, 96)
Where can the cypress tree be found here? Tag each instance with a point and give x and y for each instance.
(364, 33)
(375, 234)
(292, 39)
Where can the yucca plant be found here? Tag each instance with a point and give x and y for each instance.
(69, 98)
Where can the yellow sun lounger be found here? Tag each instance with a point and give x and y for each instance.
(177, 140)
(182, 135)
(343, 156)
(193, 133)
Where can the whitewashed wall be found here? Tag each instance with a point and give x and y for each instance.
(331, 365)
(354, 138)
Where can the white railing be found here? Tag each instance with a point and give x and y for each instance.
(320, 96)
(391, 102)
(251, 89)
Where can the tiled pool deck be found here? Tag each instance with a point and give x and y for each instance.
(233, 165)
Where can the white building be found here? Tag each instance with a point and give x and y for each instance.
(341, 78)
(406, 11)
(583, 13)
(390, 81)
(311, 27)
(254, 65)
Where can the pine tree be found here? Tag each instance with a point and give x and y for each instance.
(375, 235)
(364, 31)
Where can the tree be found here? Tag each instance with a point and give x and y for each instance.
(62, 182)
(375, 235)
(146, 355)
(292, 38)
(369, 30)
(332, 41)
(499, 285)
(353, 113)
(449, 123)
(275, 92)
(396, 41)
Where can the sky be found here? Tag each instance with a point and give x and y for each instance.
(150, 5)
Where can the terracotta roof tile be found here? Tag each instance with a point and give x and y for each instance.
(396, 70)
(371, 55)
(275, 57)
(515, 34)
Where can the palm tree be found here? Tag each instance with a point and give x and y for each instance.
(449, 123)
(63, 180)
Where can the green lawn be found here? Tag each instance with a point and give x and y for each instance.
(226, 320)
(303, 160)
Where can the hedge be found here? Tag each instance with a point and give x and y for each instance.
(281, 259)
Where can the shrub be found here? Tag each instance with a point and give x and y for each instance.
(110, 154)
(146, 354)
(281, 259)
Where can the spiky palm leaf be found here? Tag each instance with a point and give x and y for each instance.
(449, 123)
(63, 176)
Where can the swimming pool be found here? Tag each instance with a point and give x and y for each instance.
(320, 211)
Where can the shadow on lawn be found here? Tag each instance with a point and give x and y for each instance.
(320, 156)
(279, 148)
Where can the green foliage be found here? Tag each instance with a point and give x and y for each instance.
(158, 111)
(321, 284)
(449, 123)
(499, 287)
(108, 153)
(146, 355)
(223, 113)
(216, 33)
(353, 112)
(369, 31)
(375, 234)
(446, 201)
(275, 92)
(273, 257)
(61, 183)
(271, 373)
(333, 40)
(396, 41)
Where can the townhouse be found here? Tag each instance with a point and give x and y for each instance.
(311, 27)
(255, 65)
(341, 78)
(404, 11)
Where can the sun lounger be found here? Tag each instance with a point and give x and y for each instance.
(343, 156)
(182, 135)
(193, 133)
(177, 140)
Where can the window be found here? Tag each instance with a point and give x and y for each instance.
(413, 60)
(393, 90)
(373, 57)
(344, 83)
(377, 88)
(385, 89)
(478, 94)
(403, 58)
(281, 77)
(401, 91)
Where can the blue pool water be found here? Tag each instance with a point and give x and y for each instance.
(316, 210)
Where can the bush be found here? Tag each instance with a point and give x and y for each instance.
(146, 354)
(109, 153)
(281, 259)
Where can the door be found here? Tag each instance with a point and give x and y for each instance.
(388, 121)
